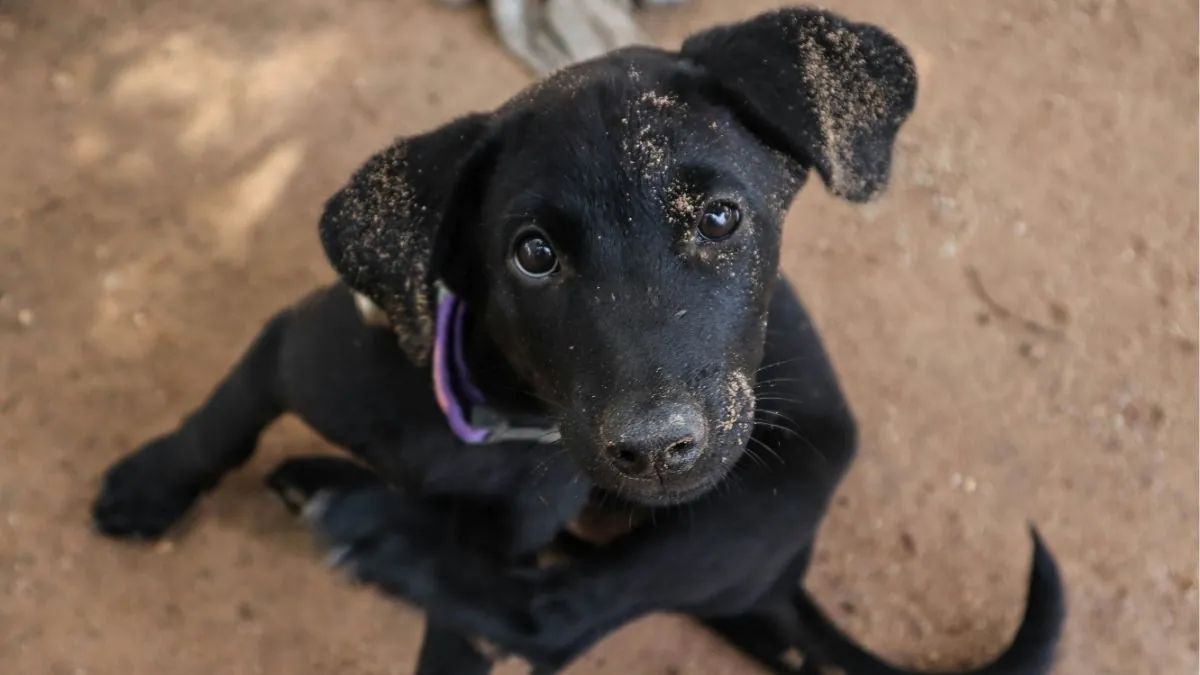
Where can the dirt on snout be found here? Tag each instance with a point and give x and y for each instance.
(1015, 322)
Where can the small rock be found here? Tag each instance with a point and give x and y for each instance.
(25, 317)
(1157, 415)
(165, 546)
(1185, 582)
(1130, 415)
(1059, 313)
(63, 82)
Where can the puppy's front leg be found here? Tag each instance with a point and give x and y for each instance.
(149, 490)
(298, 481)
(763, 632)
(445, 651)
(714, 557)
(718, 557)
(404, 546)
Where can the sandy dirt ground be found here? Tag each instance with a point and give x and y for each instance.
(1016, 324)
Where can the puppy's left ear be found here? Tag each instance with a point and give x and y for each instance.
(830, 93)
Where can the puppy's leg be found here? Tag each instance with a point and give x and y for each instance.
(149, 490)
(760, 639)
(298, 480)
(762, 634)
(549, 616)
(447, 652)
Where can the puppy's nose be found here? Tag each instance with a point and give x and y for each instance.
(663, 439)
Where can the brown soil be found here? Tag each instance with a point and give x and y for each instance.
(1016, 323)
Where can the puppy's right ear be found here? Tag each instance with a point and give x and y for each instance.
(388, 228)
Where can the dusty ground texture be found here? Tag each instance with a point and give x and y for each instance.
(1015, 322)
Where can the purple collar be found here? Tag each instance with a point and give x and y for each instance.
(463, 404)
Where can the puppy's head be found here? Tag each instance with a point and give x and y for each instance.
(617, 227)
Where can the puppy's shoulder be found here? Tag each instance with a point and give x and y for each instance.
(332, 355)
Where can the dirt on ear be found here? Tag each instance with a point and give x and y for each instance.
(849, 101)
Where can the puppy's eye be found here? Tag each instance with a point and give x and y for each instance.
(534, 256)
(718, 220)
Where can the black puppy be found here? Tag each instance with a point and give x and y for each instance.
(584, 287)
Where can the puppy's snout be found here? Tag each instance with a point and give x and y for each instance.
(655, 440)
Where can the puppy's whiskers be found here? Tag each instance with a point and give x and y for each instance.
(775, 364)
(766, 447)
(799, 436)
(779, 380)
(543, 465)
(776, 413)
(781, 399)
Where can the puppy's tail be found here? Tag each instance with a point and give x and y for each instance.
(1031, 651)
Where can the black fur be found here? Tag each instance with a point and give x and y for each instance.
(649, 339)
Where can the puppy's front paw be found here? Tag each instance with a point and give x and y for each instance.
(415, 550)
(377, 535)
(560, 607)
(137, 500)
